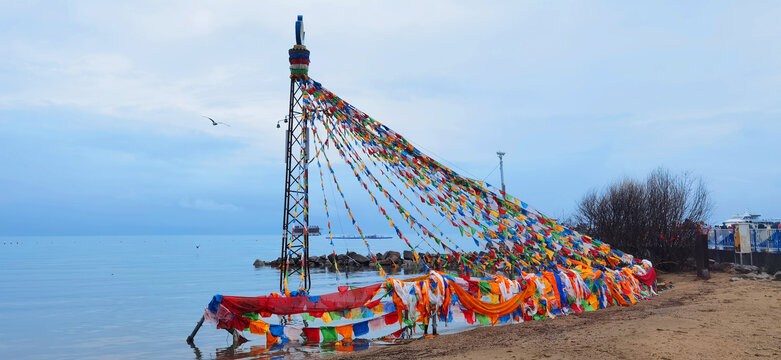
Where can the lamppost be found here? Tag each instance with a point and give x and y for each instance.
(501, 171)
(282, 120)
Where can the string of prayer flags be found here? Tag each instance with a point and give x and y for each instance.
(532, 268)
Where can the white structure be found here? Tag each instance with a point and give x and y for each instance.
(753, 220)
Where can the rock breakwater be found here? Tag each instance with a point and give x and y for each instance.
(390, 261)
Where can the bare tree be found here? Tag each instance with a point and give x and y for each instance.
(656, 219)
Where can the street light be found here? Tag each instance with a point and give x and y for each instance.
(500, 154)
(283, 120)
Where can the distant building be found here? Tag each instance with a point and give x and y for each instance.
(747, 234)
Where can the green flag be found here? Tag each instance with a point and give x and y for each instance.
(328, 334)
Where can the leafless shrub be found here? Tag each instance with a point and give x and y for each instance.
(656, 219)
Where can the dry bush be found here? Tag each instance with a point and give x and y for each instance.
(657, 219)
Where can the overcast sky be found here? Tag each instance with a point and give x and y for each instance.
(100, 103)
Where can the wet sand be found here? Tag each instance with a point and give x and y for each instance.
(696, 319)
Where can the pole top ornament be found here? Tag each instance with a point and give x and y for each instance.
(299, 55)
(300, 30)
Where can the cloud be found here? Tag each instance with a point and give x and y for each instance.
(577, 95)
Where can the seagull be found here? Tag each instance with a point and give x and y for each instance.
(215, 123)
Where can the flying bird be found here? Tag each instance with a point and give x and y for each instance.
(215, 123)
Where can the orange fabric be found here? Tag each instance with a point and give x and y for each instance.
(400, 307)
(494, 287)
(340, 347)
(552, 280)
(489, 309)
(423, 299)
(345, 330)
(415, 279)
(546, 293)
(593, 301)
(576, 262)
(271, 340)
(258, 327)
(611, 285)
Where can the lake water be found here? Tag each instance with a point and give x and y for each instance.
(138, 297)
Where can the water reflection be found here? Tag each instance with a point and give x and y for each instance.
(286, 351)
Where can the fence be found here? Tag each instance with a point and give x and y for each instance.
(762, 240)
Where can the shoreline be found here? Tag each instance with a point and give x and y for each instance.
(724, 317)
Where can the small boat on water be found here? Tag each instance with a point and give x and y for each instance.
(314, 230)
(358, 237)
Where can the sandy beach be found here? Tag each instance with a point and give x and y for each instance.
(695, 319)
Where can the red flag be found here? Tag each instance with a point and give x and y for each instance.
(312, 335)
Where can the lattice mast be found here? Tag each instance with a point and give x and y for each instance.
(295, 222)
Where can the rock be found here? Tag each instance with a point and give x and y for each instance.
(703, 274)
(363, 260)
(746, 269)
(725, 267)
(352, 261)
(409, 255)
(777, 276)
(759, 277)
(393, 256)
(735, 279)
(763, 277)
(314, 261)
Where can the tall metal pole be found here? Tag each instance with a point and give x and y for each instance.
(501, 171)
(295, 221)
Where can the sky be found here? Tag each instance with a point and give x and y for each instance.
(101, 102)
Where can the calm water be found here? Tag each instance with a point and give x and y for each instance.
(137, 297)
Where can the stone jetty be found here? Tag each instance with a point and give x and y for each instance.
(352, 261)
